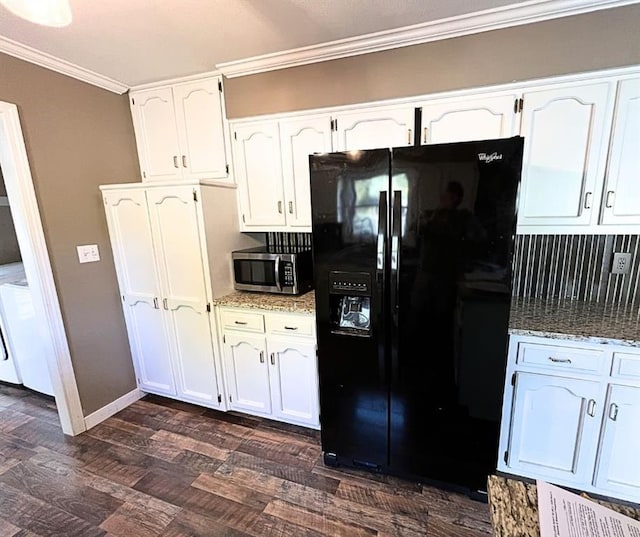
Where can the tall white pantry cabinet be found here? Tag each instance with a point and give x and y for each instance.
(159, 245)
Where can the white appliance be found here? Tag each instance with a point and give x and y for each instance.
(27, 341)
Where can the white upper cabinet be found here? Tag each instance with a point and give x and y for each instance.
(469, 119)
(181, 131)
(564, 133)
(258, 166)
(299, 138)
(621, 203)
(154, 123)
(374, 128)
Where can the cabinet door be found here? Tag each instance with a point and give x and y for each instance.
(622, 190)
(618, 469)
(468, 120)
(178, 240)
(564, 137)
(294, 380)
(200, 123)
(156, 136)
(375, 129)
(247, 373)
(256, 151)
(133, 253)
(299, 139)
(554, 427)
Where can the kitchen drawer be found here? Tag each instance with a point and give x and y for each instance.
(291, 325)
(552, 357)
(626, 366)
(242, 320)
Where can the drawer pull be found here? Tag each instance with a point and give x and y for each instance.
(290, 327)
(262, 357)
(240, 322)
(613, 412)
(591, 408)
(560, 360)
(273, 358)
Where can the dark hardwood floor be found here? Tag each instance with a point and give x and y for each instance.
(165, 468)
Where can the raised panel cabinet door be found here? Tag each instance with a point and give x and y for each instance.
(564, 134)
(554, 427)
(375, 129)
(154, 121)
(299, 138)
(178, 240)
(468, 120)
(618, 469)
(294, 380)
(258, 167)
(247, 373)
(200, 123)
(133, 253)
(622, 188)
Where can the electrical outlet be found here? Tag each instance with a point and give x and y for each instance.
(621, 262)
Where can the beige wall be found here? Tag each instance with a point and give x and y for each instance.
(602, 39)
(78, 137)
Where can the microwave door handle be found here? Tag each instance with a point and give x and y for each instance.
(277, 273)
(382, 234)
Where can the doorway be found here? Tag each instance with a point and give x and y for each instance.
(37, 268)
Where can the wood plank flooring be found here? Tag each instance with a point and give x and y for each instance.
(166, 468)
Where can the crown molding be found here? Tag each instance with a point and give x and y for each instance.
(24, 52)
(177, 80)
(471, 23)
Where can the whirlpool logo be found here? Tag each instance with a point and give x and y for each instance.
(486, 157)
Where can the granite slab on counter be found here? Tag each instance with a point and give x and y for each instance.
(270, 301)
(514, 507)
(576, 320)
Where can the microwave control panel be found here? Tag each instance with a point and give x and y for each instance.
(287, 273)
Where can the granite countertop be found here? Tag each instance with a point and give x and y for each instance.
(269, 301)
(576, 320)
(581, 321)
(514, 507)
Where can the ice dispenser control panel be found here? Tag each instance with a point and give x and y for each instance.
(353, 283)
(350, 298)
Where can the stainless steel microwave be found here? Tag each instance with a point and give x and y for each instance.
(270, 270)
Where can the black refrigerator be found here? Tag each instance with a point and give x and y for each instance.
(412, 250)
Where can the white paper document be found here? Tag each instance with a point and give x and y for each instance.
(564, 514)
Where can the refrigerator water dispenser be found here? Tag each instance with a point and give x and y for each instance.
(350, 296)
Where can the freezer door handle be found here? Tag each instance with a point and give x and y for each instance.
(382, 233)
(5, 351)
(396, 233)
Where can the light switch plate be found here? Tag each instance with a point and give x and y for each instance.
(88, 253)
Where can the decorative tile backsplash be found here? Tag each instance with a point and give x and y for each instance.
(576, 267)
(569, 267)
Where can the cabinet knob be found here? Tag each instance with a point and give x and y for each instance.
(290, 207)
(424, 135)
(155, 303)
(409, 131)
(262, 357)
(613, 412)
(184, 161)
(273, 358)
(280, 207)
(591, 408)
(175, 161)
(587, 200)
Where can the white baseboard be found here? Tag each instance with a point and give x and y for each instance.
(112, 408)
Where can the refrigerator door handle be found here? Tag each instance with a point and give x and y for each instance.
(382, 233)
(396, 232)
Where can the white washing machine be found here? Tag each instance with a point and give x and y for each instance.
(27, 341)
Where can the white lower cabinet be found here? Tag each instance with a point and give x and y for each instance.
(270, 365)
(571, 415)
(554, 420)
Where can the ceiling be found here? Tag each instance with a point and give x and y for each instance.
(139, 41)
